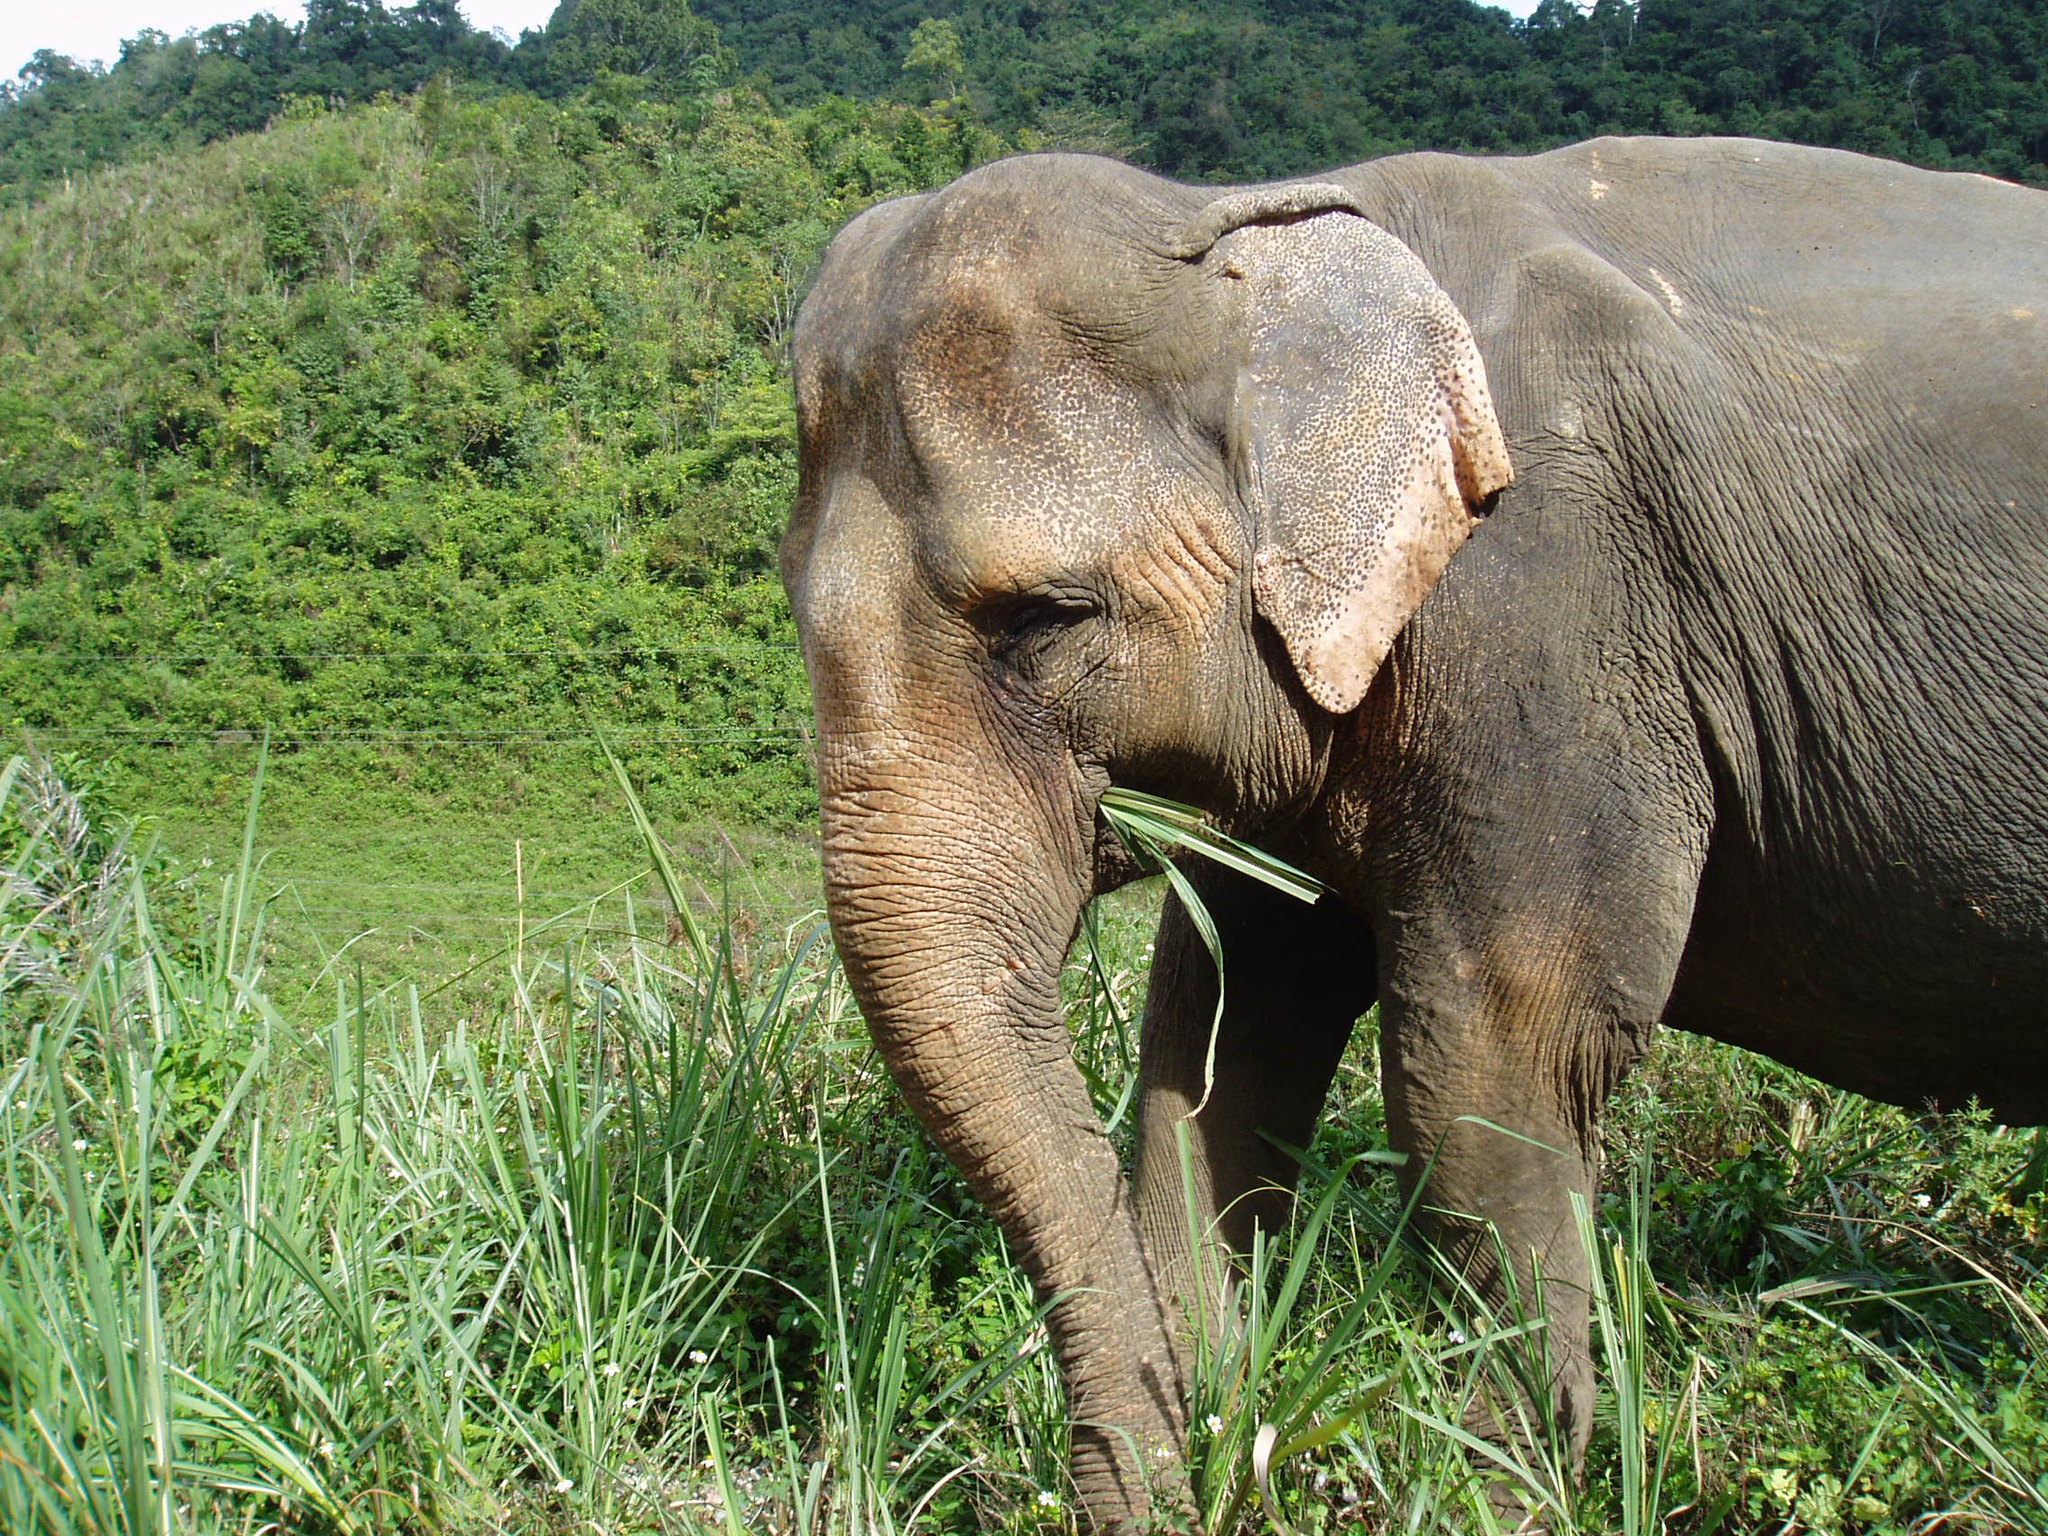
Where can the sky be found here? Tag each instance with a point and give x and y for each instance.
(93, 29)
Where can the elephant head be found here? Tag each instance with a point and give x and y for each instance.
(1104, 481)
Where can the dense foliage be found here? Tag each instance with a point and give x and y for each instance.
(432, 418)
(1246, 88)
(66, 117)
(1240, 88)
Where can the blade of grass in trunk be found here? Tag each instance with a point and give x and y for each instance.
(1150, 827)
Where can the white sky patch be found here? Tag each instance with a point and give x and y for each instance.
(508, 16)
(94, 29)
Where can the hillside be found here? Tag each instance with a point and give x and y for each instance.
(425, 436)
(1270, 89)
(1248, 88)
(1236, 89)
(497, 382)
(420, 400)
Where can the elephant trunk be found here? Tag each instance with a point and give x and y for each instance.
(954, 925)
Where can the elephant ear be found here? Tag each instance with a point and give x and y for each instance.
(1363, 403)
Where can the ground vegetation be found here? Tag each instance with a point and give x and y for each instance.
(400, 416)
(648, 1243)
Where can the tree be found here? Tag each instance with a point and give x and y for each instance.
(936, 54)
(662, 42)
(49, 68)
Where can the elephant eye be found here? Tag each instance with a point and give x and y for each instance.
(1023, 627)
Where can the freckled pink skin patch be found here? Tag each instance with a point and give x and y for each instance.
(1373, 438)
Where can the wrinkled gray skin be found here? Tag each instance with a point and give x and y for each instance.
(1731, 715)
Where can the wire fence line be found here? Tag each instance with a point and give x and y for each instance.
(272, 877)
(545, 916)
(436, 925)
(530, 914)
(495, 937)
(579, 918)
(330, 889)
(398, 914)
(486, 922)
(112, 658)
(506, 898)
(244, 736)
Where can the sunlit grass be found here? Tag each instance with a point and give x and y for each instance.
(653, 1247)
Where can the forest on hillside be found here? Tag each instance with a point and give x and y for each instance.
(372, 380)
(1238, 88)
(1263, 88)
(434, 420)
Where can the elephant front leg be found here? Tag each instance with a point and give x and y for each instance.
(1296, 980)
(1497, 1059)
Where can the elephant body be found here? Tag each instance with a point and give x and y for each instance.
(1731, 713)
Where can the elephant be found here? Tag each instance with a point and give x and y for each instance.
(1619, 574)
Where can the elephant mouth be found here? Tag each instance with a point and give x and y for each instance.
(1115, 865)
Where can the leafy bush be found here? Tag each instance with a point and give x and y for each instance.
(431, 419)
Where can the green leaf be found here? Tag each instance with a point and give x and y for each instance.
(1148, 824)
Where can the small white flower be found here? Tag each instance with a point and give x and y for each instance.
(698, 1357)
(838, 1386)
(1457, 1335)
(81, 1144)
(611, 1367)
(564, 1484)
(1923, 1201)
(327, 1450)
(1215, 1423)
(1047, 1499)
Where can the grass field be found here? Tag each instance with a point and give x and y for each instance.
(625, 1230)
(394, 867)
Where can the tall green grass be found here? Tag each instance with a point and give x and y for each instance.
(372, 1273)
(653, 1247)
